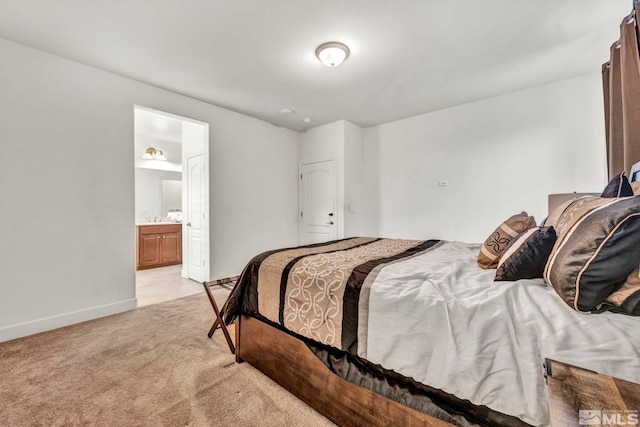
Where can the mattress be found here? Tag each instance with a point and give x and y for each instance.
(425, 310)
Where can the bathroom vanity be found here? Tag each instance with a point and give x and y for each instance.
(159, 244)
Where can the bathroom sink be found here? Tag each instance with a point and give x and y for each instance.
(158, 223)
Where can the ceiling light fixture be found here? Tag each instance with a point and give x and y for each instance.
(153, 154)
(332, 54)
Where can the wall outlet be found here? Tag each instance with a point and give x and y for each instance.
(443, 183)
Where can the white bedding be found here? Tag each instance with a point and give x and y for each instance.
(482, 340)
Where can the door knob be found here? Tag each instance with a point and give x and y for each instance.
(330, 223)
(330, 213)
(188, 224)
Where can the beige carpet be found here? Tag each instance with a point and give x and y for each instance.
(153, 366)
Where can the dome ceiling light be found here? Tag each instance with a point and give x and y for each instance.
(332, 54)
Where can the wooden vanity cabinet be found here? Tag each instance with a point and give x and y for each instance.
(159, 245)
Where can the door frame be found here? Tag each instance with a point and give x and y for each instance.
(206, 196)
(338, 211)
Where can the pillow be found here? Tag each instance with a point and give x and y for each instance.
(635, 186)
(618, 187)
(626, 299)
(497, 242)
(551, 220)
(597, 248)
(526, 255)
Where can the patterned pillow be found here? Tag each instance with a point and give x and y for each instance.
(618, 187)
(553, 217)
(496, 243)
(526, 255)
(598, 246)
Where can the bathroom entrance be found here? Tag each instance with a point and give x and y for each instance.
(171, 205)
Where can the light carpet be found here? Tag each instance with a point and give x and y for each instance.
(153, 366)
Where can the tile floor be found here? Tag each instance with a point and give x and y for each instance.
(161, 284)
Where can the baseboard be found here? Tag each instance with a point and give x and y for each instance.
(48, 323)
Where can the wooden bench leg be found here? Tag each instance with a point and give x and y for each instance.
(218, 323)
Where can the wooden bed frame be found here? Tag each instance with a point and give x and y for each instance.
(290, 363)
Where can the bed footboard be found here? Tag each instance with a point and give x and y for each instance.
(291, 364)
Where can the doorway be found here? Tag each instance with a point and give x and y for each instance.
(171, 196)
(318, 202)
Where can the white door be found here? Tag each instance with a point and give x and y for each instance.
(195, 218)
(318, 200)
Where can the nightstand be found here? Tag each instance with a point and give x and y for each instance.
(581, 397)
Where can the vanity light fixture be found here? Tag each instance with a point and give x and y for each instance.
(332, 54)
(153, 154)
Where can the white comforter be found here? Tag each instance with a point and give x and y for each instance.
(482, 340)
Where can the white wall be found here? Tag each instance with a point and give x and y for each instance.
(499, 155)
(354, 213)
(253, 192)
(67, 221)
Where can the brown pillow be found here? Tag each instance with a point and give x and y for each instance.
(598, 247)
(552, 219)
(627, 297)
(635, 186)
(495, 245)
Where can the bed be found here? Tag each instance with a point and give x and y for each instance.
(374, 331)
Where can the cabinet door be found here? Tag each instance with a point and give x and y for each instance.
(171, 247)
(149, 249)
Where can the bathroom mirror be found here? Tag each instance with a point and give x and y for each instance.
(171, 195)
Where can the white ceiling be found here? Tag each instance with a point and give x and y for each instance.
(256, 57)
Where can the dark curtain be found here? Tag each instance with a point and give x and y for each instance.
(621, 83)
